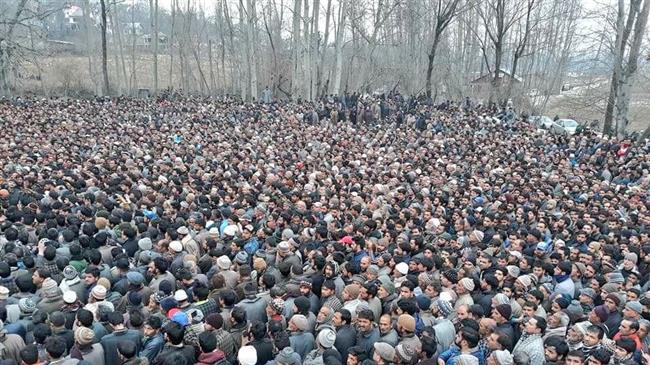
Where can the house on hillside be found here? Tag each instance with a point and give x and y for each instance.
(483, 84)
(73, 18)
(162, 40)
(133, 29)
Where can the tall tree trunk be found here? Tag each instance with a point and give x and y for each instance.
(340, 31)
(251, 31)
(306, 57)
(295, 54)
(170, 47)
(319, 72)
(314, 46)
(106, 86)
(629, 72)
(213, 80)
(431, 57)
(619, 47)
(155, 28)
(118, 32)
(85, 8)
(134, 74)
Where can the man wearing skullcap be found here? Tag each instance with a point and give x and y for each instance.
(612, 303)
(84, 347)
(501, 314)
(302, 341)
(406, 329)
(464, 289)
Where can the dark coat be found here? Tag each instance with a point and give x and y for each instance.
(264, 350)
(346, 337)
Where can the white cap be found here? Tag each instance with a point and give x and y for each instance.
(176, 246)
(180, 295)
(402, 267)
(69, 297)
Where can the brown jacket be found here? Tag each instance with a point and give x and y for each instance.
(12, 346)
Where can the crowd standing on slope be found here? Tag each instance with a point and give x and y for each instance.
(361, 231)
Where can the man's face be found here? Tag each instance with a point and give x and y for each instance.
(326, 292)
(462, 313)
(590, 339)
(620, 352)
(148, 330)
(37, 279)
(89, 279)
(338, 321)
(323, 314)
(365, 263)
(625, 328)
(531, 326)
(550, 353)
(305, 291)
(405, 293)
(352, 360)
(493, 342)
(382, 293)
(610, 304)
(384, 324)
(593, 361)
(573, 360)
(528, 311)
(364, 324)
(483, 263)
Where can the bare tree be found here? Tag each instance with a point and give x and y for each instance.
(155, 27)
(523, 37)
(340, 33)
(443, 15)
(106, 89)
(624, 70)
(498, 17)
(295, 42)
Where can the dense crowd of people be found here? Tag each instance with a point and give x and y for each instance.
(354, 231)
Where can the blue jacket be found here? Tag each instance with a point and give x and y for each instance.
(451, 355)
(151, 346)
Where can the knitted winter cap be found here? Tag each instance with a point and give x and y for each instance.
(84, 336)
(69, 272)
(385, 351)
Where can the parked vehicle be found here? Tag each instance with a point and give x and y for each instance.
(564, 126)
(541, 121)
